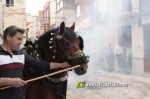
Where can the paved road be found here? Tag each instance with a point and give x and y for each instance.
(133, 87)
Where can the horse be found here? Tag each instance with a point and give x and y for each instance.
(56, 45)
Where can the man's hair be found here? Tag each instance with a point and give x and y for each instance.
(12, 30)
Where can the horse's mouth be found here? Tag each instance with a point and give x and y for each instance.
(78, 58)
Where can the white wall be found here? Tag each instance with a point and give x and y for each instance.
(15, 17)
(137, 50)
(52, 12)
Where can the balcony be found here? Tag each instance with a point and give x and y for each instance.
(127, 7)
(43, 22)
(115, 9)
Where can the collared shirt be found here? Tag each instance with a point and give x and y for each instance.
(11, 65)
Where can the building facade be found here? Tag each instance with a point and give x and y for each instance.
(12, 12)
(45, 18)
(124, 22)
(52, 14)
(36, 27)
(82, 14)
(64, 12)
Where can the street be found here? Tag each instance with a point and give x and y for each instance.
(138, 87)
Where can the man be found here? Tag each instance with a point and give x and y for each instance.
(119, 56)
(12, 62)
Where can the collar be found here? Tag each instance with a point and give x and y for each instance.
(1, 49)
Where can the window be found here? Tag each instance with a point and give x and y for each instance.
(110, 8)
(58, 1)
(47, 15)
(124, 6)
(78, 10)
(59, 4)
(36, 23)
(9, 3)
(69, 3)
(57, 7)
(102, 8)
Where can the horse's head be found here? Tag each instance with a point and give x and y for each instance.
(62, 44)
(74, 43)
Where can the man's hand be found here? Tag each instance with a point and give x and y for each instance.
(14, 82)
(17, 82)
(59, 65)
(64, 65)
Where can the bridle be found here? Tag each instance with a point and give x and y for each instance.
(60, 43)
(77, 58)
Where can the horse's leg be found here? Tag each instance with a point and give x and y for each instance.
(58, 92)
(63, 90)
(47, 92)
(33, 90)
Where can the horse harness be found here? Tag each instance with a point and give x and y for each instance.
(77, 58)
(55, 39)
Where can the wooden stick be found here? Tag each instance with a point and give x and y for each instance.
(41, 77)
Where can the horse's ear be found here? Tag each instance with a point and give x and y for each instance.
(62, 28)
(73, 26)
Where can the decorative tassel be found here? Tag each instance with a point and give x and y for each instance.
(52, 34)
(51, 47)
(50, 42)
(51, 39)
(53, 57)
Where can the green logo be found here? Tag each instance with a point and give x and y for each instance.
(80, 84)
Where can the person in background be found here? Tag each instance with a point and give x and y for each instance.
(101, 60)
(126, 59)
(119, 56)
(109, 58)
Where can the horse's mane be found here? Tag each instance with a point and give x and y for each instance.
(69, 34)
(43, 41)
(46, 35)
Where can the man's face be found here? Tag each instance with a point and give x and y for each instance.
(15, 41)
